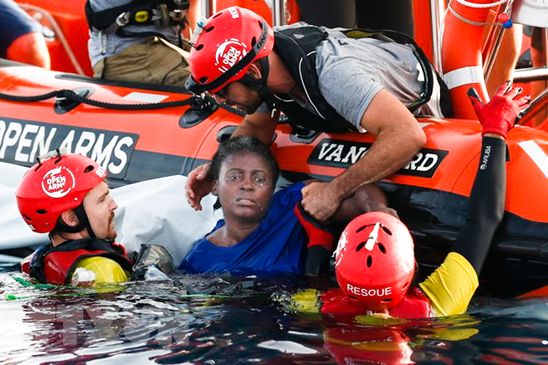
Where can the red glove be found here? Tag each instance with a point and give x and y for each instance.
(320, 243)
(318, 234)
(498, 116)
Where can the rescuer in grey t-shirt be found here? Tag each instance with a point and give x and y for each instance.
(351, 72)
(364, 84)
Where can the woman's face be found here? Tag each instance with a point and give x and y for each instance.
(244, 187)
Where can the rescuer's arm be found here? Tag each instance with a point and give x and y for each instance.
(452, 285)
(197, 186)
(260, 125)
(398, 137)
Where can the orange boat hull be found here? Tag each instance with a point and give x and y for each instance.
(430, 193)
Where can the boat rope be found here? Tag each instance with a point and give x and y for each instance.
(468, 21)
(481, 6)
(196, 102)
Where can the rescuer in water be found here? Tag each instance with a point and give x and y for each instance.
(374, 260)
(68, 197)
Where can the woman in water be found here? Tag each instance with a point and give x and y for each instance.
(265, 232)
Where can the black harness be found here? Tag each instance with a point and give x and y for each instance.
(159, 13)
(297, 49)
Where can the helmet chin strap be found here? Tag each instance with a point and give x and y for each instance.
(259, 84)
(83, 222)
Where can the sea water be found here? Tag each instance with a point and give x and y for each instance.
(212, 320)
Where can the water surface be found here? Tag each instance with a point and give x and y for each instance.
(239, 321)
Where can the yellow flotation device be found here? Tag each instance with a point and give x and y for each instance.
(106, 270)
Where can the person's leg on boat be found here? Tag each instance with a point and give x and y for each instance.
(506, 59)
(21, 36)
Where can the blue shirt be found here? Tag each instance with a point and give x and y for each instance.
(14, 22)
(276, 246)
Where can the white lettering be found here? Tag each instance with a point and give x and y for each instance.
(100, 154)
(414, 161)
(422, 162)
(326, 148)
(41, 145)
(429, 161)
(485, 158)
(231, 56)
(56, 182)
(2, 129)
(25, 142)
(336, 155)
(354, 154)
(85, 143)
(10, 139)
(121, 155)
(67, 142)
(364, 292)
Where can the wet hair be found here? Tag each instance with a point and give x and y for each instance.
(243, 144)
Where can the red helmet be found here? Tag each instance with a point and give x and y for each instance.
(55, 185)
(227, 44)
(374, 261)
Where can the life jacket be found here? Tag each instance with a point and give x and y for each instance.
(54, 265)
(159, 13)
(297, 49)
(415, 304)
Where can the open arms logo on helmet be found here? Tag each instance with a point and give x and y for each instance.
(229, 53)
(58, 182)
(236, 67)
(225, 46)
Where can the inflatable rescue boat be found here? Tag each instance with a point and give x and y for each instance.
(430, 193)
(141, 131)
